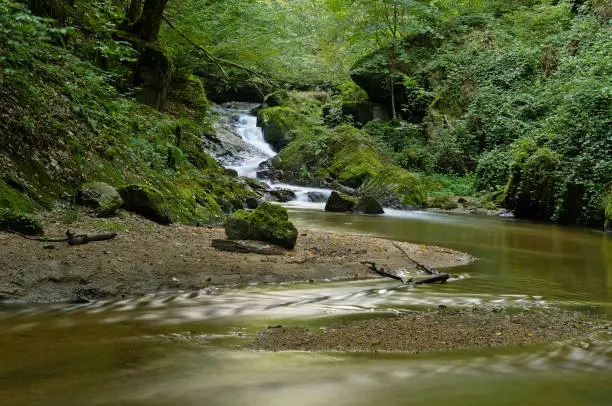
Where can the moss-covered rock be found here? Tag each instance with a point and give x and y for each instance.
(238, 226)
(146, 201)
(102, 197)
(277, 98)
(355, 157)
(369, 205)
(278, 124)
(533, 185)
(442, 202)
(396, 188)
(340, 202)
(269, 222)
(19, 222)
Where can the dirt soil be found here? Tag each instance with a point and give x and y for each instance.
(148, 258)
(438, 330)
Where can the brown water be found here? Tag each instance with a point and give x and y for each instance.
(180, 349)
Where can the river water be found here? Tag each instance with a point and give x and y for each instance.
(183, 348)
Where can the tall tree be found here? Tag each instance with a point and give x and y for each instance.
(135, 11)
(147, 27)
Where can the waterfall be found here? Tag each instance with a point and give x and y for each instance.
(245, 126)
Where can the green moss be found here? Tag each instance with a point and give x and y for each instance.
(397, 188)
(102, 197)
(146, 201)
(12, 198)
(19, 222)
(356, 157)
(269, 222)
(442, 202)
(278, 124)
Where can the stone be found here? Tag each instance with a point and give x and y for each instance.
(282, 195)
(252, 202)
(369, 205)
(20, 222)
(395, 188)
(269, 223)
(339, 202)
(146, 201)
(246, 247)
(316, 197)
(100, 196)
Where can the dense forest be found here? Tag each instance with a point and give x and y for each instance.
(413, 102)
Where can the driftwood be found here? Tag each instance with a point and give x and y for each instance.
(420, 266)
(75, 238)
(440, 277)
(382, 272)
(72, 237)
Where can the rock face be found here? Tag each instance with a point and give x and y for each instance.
(277, 124)
(146, 201)
(269, 222)
(395, 188)
(100, 196)
(339, 202)
(20, 223)
(369, 205)
(153, 77)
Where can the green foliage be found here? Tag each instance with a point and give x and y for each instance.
(20, 222)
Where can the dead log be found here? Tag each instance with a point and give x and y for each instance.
(420, 266)
(75, 238)
(441, 277)
(382, 272)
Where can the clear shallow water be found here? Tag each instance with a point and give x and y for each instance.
(179, 349)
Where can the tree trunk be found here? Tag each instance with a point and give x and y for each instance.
(135, 11)
(150, 22)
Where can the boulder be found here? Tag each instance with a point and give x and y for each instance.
(282, 195)
(316, 197)
(252, 202)
(238, 226)
(100, 196)
(269, 222)
(278, 124)
(19, 222)
(396, 188)
(369, 205)
(146, 201)
(339, 202)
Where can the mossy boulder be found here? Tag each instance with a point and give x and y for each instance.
(278, 124)
(146, 201)
(339, 202)
(269, 222)
(369, 205)
(396, 188)
(100, 196)
(355, 156)
(277, 98)
(19, 222)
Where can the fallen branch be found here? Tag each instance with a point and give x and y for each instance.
(420, 266)
(72, 237)
(382, 272)
(80, 239)
(441, 277)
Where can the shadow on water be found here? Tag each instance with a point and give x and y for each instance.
(180, 348)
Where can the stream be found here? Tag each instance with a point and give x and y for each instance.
(183, 348)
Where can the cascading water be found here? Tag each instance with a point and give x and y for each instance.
(245, 126)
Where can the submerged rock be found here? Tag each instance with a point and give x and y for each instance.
(269, 222)
(339, 202)
(100, 196)
(316, 197)
(146, 201)
(369, 205)
(282, 195)
(20, 222)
